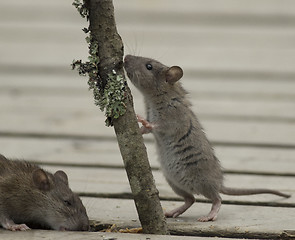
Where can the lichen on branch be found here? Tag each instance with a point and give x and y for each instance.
(109, 94)
(81, 7)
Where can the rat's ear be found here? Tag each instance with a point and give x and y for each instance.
(62, 176)
(41, 180)
(173, 74)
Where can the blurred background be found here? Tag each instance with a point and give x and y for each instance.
(238, 59)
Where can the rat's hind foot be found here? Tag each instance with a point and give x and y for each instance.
(177, 211)
(213, 213)
(207, 218)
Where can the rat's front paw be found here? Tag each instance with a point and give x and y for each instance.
(18, 227)
(147, 127)
(10, 225)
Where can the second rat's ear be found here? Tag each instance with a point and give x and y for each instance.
(173, 74)
(62, 176)
(41, 180)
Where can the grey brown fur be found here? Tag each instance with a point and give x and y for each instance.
(187, 159)
(30, 196)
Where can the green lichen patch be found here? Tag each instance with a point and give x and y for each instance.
(109, 94)
(112, 99)
(81, 8)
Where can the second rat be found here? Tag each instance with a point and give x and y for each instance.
(187, 159)
(30, 196)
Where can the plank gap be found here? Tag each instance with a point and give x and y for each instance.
(226, 233)
(149, 140)
(154, 168)
(128, 195)
(254, 172)
(80, 165)
(253, 118)
(237, 75)
(47, 135)
(214, 74)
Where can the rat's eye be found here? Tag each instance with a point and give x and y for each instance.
(68, 203)
(149, 66)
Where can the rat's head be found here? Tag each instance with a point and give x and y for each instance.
(151, 76)
(58, 207)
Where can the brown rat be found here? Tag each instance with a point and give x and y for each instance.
(30, 196)
(187, 159)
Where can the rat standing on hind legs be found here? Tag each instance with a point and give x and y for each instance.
(187, 159)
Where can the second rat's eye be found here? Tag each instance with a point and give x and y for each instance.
(68, 203)
(149, 66)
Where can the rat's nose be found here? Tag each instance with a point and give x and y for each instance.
(126, 58)
(85, 227)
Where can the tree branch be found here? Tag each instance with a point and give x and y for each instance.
(109, 57)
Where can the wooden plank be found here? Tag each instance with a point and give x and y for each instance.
(59, 53)
(58, 114)
(194, 36)
(46, 235)
(197, 37)
(106, 153)
(114, 182)
(250, 132)
(241, 110)
(241, 103)
(222, 6)
(65, 82)
(204, 37)
(212, 6)
(206, 57)
(214, 103)
(237, 60)
(242, 91)
(83, 123)
(261, 7)
(53, 12)
(56, 54)
(36, 83)
(249, 221)
(233, 221)
(259, 160)
(63, 151)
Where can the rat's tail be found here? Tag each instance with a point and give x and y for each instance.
(248, 191)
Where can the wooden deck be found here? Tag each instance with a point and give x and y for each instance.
(239, 63)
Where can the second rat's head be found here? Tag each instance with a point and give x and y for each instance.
(58, 207)
(151, 76)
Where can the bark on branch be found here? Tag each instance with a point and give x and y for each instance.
(110, 54)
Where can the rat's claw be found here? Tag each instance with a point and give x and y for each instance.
(10, 225)
(18, 227)
(212, 216)
(172, 214)
(140, 119)
(206, 219)
(147, 127)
